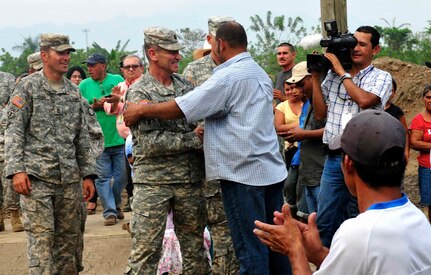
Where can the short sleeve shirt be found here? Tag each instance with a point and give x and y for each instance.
(420, 124)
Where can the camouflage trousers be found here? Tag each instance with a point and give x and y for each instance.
(52, 220)
(150, 207)
(9, 198)
(224, 259)
(80, 241)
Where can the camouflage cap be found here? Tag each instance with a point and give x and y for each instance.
(57, 42)
(214, 22)
(162, 37)
(35, 61)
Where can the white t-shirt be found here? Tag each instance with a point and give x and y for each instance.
(389, 238)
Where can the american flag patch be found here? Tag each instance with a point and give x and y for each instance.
(18, 102)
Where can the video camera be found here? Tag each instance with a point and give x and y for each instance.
(336, 43)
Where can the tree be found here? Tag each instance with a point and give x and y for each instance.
(191, 39)
(114, 56)
(270, 32)
(395, 37)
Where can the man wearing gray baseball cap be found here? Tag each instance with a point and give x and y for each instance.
(390, 236)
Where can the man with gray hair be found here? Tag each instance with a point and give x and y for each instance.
(198, 71)
(168, 165)
(47, 152)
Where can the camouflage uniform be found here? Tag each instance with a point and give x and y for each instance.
(168, 173)
(47, 138)
(224, 259)
(96, 149)
(11, 198)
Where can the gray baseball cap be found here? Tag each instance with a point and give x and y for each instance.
(95, 58)
(35, 61)
(57, 42)
(162, 37)
(214, 22)
(369, 135)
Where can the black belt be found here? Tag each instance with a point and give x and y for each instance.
(330, 152)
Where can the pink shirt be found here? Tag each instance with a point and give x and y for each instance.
(122, 129)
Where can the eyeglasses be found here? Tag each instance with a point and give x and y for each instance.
(134, 67)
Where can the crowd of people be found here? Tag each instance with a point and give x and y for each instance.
(308, 171)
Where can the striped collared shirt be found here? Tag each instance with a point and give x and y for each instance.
(337, 99)
(240, 142)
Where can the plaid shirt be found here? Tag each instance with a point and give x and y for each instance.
(337, 99)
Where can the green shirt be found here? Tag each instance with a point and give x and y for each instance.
(91, 89)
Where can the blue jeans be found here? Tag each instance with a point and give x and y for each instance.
(311, 195)
(335, 204)
(243, 205)
(111, 164)
(424, 175)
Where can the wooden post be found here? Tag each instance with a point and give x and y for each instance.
(334, 10)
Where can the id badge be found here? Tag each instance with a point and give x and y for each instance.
(345, 117)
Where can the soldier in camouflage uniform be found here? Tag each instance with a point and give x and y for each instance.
(96, 149)
(11, 198)
(168, 166)
(224, 259)
(47, 153)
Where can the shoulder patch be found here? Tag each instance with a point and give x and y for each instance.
(90, 111)
(18, 102)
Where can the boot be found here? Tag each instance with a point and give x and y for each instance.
(15, 221)
(1, 220)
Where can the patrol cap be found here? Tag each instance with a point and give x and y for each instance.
(369, 135)
(214, 22)
(162, 37)
(57, 42)
(95, 58)
(299, 71)
(35, 61)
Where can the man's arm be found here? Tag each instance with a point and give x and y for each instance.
(19, 111)
(299, 241)
(299, 134)
(363, 98)
(165, 110)
(319, 104)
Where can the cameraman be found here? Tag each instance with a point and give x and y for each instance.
(341, 96)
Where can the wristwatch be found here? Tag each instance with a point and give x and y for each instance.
(346, 75)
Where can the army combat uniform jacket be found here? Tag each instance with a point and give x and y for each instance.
(46, 133)
(165, 151)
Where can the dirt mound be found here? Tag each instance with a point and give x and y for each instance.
(411, 79)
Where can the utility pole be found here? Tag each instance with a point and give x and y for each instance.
(334, 10)
(86, 37)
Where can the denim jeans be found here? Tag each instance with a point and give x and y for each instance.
(111, 165)
(243, 205)
(335, 204)
(424, 175)
(311, 195)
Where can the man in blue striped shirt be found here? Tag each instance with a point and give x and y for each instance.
(240, 144)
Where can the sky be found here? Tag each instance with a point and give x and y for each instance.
(108, 21)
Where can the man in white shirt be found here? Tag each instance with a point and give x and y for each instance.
(390, 236)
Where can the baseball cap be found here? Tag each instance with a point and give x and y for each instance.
(214, 22)
(95, 58)
(299, 71)
(35, 61)
(57, 42)
(162, 37)
(369, 135)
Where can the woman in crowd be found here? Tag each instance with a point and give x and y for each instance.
(76, 74)
(420, 140)
(396, 112)
(286, 117)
